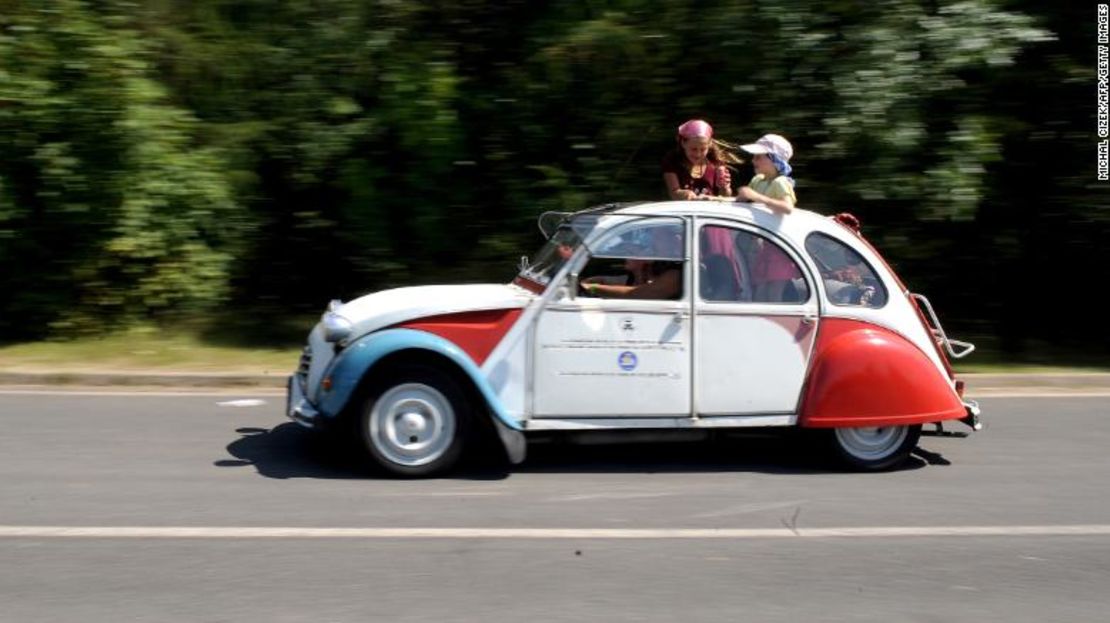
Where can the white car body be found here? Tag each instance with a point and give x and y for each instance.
(543, 357)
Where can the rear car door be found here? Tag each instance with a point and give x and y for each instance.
(755, 319)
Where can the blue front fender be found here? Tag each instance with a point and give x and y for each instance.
(352, 364)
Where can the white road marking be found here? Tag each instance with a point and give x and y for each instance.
(242, 402)
(606, 496)
(248, 532)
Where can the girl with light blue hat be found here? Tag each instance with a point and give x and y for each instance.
(772, 185)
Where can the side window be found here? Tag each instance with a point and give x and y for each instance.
(739, 266)
(643, 261)
(849, 279)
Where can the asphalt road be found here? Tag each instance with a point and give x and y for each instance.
(174, 508)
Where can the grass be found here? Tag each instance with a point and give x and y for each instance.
(154, 350)
(145, 350)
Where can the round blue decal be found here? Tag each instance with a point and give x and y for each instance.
(627, 361)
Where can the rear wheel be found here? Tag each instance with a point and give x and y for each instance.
(416, 423)
(874, 448)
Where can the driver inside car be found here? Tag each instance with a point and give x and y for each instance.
(647, 279)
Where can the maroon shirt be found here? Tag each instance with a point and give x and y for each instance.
(675, 162)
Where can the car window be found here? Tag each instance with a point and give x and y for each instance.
(643, 261)
(658, 239)
(849, 280)
(738, 266)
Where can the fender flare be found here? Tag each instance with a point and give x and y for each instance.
(354, 362)
(865, 375)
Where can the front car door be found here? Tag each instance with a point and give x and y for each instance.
(597, 356)
(755, 320)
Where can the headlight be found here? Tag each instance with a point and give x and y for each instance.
(336, 327)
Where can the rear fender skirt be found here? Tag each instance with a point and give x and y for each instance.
(866, 375)
(358, 359)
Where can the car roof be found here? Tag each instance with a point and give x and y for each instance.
(797, 225)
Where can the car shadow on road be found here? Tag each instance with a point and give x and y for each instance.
(784, 454)
(290, 451)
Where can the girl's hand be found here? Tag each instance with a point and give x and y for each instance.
(724, 178)
(746, 192)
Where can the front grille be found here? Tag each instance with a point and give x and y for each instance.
(306, 361)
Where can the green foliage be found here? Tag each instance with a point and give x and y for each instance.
(169, 158)
(113, 209)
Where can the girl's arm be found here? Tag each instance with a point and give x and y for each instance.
(671, 180)
(784, 205)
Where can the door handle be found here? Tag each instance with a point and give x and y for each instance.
(809, 319)
(679, 316)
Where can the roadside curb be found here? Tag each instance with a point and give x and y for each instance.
(1047, 382)
(143, 379)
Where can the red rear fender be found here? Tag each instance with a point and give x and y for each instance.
(865, 375)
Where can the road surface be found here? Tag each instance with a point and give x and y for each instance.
(169, 507)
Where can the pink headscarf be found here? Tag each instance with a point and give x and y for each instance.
(695, 128)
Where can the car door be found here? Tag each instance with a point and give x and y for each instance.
(618, 357)
(755, 320)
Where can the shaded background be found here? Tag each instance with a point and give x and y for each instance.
(227, 167)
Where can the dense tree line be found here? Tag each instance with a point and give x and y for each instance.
(195, 160)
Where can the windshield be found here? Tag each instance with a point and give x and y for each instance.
(559, 248)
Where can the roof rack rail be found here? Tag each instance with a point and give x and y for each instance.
(561, 217)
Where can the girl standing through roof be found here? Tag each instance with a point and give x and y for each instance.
(698, 166)
(698, 169)
(773, 187)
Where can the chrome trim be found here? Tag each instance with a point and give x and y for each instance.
(972, 418)
(938, 330)
(297, 406)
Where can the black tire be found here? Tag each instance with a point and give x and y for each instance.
(872, 448)
(415, 422)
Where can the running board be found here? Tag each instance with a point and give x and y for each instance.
(607, 423)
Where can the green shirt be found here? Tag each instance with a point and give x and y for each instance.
(778, 187)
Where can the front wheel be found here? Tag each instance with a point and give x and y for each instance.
(874, 448)
(415, 424)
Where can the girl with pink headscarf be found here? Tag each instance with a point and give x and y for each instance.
(697, 167)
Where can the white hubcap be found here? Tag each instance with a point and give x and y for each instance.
(871, 443)
(412, 424)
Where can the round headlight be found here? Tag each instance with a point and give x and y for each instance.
(336, 327)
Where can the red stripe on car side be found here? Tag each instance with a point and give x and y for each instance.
(476, 332)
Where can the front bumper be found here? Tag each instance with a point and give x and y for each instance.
(297, 406)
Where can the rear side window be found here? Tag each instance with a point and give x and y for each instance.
(736, 266)
(849, 279)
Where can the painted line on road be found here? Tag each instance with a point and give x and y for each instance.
(185, 532)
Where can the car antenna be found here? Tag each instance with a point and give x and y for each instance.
(632, 156)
